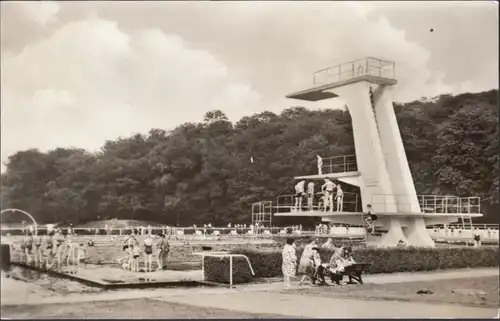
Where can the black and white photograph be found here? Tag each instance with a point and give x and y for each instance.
(249, 159)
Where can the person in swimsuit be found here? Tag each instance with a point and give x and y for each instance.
(299, 194)
(339, 198)
(162, 252)
(133, 248)
(47, 245)
(320, 165)
(57, 248)
(27, 247)
(125, 261)
(370, 218)
(327, 189)
(38, 254)
(148, 253)
(310, 195)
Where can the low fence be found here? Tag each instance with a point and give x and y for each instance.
(486, 231)
(436, 204)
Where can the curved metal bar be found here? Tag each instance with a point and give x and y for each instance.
(25, 213)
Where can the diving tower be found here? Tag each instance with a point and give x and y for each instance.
(379, 168)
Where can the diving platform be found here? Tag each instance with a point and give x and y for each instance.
(340, 214)
(337, 176)
(379, 166)
(370, 69)
(355, 218)
(342, 168)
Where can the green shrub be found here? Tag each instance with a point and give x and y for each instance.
(389, 260)
(217, 270)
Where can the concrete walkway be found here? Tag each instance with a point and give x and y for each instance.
(429, 275)
(266, 299)
(319, 307)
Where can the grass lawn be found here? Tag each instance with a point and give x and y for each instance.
(126, 309)
(482, 291)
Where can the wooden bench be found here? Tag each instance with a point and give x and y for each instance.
(354, 272)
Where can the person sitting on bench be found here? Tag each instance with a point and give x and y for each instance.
(339, 261)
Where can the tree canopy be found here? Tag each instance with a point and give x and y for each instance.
(201, 172)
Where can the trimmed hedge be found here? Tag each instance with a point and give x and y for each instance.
(217, 270)
(388, 260)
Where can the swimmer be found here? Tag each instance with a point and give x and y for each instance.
(125, 261)
(148, 253)
(47, 246)
(27, 247)
(58, 239)
(133, 248)
(38, 253)
(162, 249)
(327, 189)
(299, 194)
(310, 195)
(339, 198)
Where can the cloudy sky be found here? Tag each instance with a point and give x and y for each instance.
(77, 74)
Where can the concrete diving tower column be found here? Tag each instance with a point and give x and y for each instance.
(380, 155)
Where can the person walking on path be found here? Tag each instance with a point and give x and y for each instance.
(306, 263)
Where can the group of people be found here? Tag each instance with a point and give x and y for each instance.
(310, 264)
(327, 198)
(133, 249)
(52, 249)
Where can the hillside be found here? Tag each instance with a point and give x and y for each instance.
(201, 172)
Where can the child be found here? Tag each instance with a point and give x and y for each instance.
(318, 267)
(370, 218)
(125, 261)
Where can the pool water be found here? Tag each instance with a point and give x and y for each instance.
(46, 281)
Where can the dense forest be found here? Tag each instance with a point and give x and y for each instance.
(201, 172)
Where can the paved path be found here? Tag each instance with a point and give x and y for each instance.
(266, 299)
(319, 307)
(429, 275)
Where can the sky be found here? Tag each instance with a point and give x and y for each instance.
(75, 74)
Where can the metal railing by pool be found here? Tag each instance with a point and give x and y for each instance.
(444, 204)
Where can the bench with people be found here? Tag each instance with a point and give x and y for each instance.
(341, 264)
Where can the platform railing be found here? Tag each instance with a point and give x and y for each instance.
(262, 213)
(437, 204)
(286, 203)
(357, 68)
(339, 164)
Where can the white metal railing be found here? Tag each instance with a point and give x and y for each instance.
(454, 232)
(438, 204)
(223, 254)
(286, 203)
(357, 68)
(339, 164)
(262, 213)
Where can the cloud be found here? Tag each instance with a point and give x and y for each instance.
(93, 71)
(40, 12)
(90, 81)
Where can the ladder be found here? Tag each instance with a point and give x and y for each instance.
(372, 102)
(466, 218)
